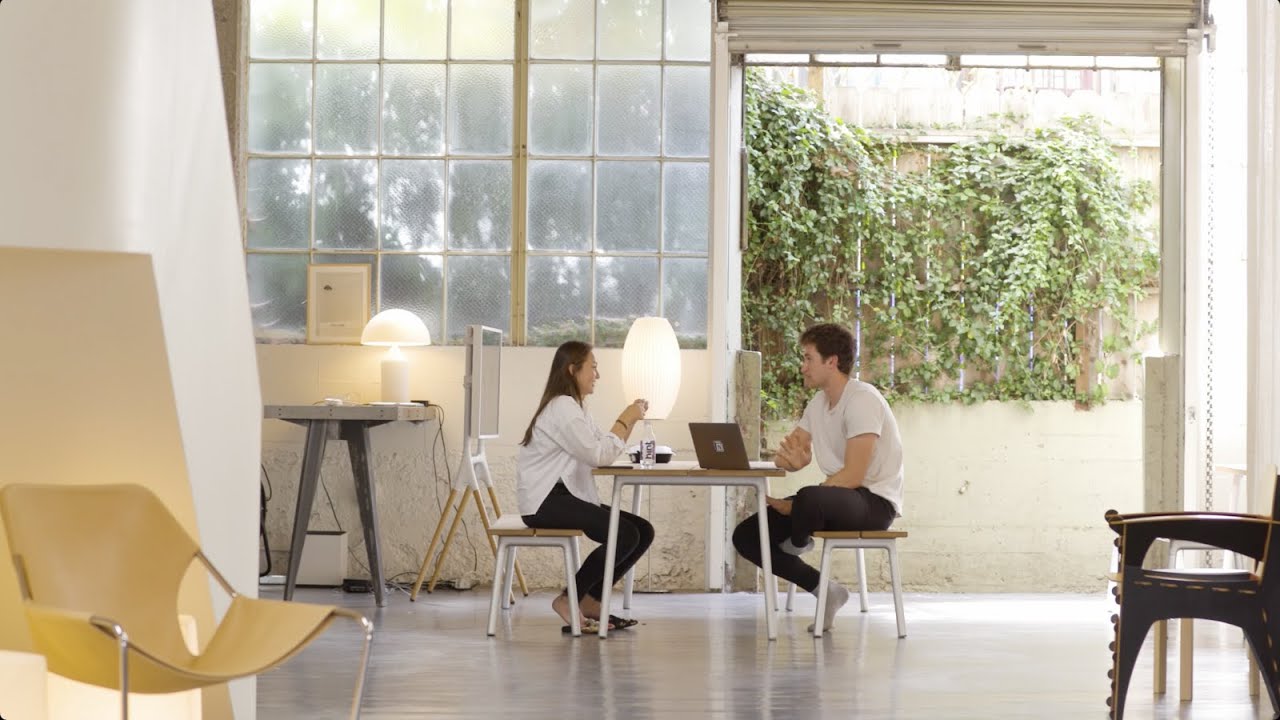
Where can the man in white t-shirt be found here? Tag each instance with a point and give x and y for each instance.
(850, 430)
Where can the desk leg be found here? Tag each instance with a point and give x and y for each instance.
(312, 458)
(766, 565)
(357, 436)
(631, 574)
(610, 555)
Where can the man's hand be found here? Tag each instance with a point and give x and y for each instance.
(782, 506)
(795, 451)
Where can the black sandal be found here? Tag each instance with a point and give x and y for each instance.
(619, 623)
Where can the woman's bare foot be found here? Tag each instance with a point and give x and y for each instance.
(590, 607)
(562, 608)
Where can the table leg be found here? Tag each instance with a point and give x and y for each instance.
(357, 436)
(610, 554)
(766, 564)
(631, 574)
(312, 458)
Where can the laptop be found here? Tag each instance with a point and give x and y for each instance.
(720, 447)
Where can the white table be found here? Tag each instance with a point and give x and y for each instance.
(688, 474)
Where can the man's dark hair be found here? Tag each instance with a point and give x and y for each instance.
(831, 339)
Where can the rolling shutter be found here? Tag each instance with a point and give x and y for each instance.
(1038, 27)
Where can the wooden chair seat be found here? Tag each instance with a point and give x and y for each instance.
(513, 526)
(859, 534)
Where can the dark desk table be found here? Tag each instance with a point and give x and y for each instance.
(341, 422)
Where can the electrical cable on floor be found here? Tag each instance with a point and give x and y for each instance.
(264, 494)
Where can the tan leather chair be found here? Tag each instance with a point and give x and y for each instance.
(100, 567)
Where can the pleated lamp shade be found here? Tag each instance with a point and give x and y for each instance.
(651, 365)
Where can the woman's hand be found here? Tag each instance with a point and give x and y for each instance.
(634, 413)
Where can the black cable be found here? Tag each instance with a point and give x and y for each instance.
(263, 497)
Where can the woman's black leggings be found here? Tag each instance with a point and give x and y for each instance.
(813, 508)
(562, 510)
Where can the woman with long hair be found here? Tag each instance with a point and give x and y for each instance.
(554, 486)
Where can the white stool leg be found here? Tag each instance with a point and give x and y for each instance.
(791, 596)
(497, 587)
(507, 575)
(1186, 661)
(824, 576)
(862, 579)
(895, 576)
(570, 548)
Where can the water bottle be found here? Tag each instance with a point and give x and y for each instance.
(648, 448)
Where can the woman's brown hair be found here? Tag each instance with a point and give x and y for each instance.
(568, 360)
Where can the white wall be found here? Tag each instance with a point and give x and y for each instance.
(410, 493)
(114, 138)
(1002, 498)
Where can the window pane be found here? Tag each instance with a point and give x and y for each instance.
(559, 205)
(687, 112)
(415, 283)
(278, 296)
(483, 29)
(627, 206)
(480, 205)
(346, 204)
(688, 30)
(559, 291)
(685, 191)
(279, 108)
(348, 29)
(414, 29)
(369, 261)
(480, 110)
(626, 288)
(413, 109)
(280, 28)
(346, 109)
(279, 207)
(627, 121)
(562, 29)
(412, 205)
(630, 29)
(560, 109)
(479, 293)
(684, 299)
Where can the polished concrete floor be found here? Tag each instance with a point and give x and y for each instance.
(706, 656)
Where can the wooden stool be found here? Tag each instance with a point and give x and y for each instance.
(860, 541)
(512, 533)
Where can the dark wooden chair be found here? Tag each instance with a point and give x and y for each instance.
(1248, 600)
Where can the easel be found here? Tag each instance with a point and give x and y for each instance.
(473, 467)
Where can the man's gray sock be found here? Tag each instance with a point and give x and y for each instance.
(790, 548)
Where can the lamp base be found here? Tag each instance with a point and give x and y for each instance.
(395, 377)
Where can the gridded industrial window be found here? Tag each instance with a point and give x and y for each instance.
(388, 132)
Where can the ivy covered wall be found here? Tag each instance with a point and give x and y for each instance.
(1004, 268)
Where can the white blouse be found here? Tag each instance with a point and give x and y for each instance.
(566, 445)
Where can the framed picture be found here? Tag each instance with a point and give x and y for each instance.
(337, 303)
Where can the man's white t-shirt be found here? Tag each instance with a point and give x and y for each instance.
(861, 410)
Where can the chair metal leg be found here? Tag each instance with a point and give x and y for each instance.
(364, 668)
(630, 582)
(895, 576)
(124, 675)
(824, 577)
(570, 572)
(497, 587)
(862, 579)
(509, 573)
(791, 596)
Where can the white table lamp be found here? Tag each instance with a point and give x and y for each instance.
(393, 328)
(651, 365)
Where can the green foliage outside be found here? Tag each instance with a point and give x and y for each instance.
(991, 261)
